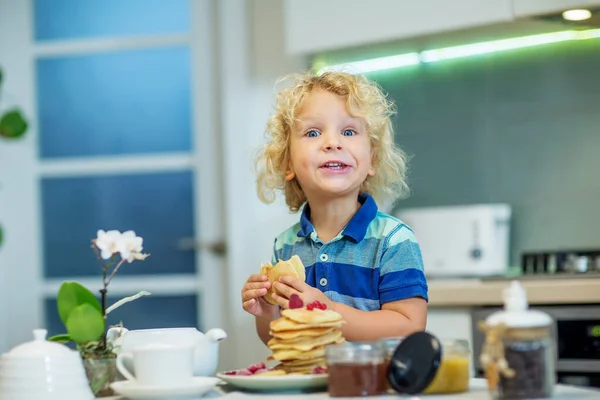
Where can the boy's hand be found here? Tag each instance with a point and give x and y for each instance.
(252, 297)
(289, 285)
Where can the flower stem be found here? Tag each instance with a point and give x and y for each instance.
(103, 297)
(114, 271)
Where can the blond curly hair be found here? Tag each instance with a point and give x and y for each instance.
(364, 99)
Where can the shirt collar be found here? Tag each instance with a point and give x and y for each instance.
(356, 227)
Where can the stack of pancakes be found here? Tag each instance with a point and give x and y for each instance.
(299, 338)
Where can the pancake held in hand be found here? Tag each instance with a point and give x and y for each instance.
(301, 334)
(292, 267)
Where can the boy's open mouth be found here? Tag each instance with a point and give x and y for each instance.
(334, 165)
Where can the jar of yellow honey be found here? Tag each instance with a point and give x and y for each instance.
(453, 373)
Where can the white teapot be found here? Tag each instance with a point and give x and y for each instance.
(206, 345)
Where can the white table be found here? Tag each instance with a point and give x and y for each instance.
(477, 391)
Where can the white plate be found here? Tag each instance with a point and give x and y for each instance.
(196, 387)
(276, 382)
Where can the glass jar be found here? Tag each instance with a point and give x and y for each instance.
(390, 344)
(518, 353)
(453, 373)
(356, 369)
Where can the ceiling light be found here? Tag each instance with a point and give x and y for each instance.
(577, 15)
(375, 64)
(448, 53)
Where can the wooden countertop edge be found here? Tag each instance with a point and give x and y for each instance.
(471, 293)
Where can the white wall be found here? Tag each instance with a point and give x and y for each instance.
(316, 25)
(18, 186)
(251, 46)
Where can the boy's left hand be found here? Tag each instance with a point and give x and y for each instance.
(289, 285)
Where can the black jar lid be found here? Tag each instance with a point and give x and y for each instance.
(415, 363)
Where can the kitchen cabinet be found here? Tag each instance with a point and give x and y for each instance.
(313, 26)
(451, 323)
(530, 8)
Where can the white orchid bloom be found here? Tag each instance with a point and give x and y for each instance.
(130, 246)
(107, 242)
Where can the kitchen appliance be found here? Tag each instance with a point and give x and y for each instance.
(461, 241)
(581, 262)
(576, 332)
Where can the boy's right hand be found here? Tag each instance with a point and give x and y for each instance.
(252, 297)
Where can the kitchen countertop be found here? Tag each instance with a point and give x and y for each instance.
(488, 292)
(477, 391)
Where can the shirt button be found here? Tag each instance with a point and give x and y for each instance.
(324, 257)
(323, 282)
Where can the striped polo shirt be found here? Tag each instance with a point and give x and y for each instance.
(374, 260)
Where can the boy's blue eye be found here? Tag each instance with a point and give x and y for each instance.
(312, 133)
(348, 132)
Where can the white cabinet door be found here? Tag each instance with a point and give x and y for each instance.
(315, 25)
(451, 323)
(528, 8)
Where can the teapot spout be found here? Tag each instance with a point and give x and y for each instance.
(216, 335)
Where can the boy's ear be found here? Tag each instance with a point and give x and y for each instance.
(371, 171)
(289, 175)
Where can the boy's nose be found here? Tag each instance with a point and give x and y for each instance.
(332, 142)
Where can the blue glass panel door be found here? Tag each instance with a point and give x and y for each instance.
(115, 132)
(135, 314)
(79, 19)
(126, 102)
(158, 207)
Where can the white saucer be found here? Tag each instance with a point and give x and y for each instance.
(196, 387)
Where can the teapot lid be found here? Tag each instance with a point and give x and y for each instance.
(39, 347)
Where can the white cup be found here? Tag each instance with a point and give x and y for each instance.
(158, 364)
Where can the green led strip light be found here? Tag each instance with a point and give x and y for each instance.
(448, 53)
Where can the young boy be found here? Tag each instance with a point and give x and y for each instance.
(331, 148)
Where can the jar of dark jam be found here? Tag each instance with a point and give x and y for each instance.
(356, 369)
(518, 353)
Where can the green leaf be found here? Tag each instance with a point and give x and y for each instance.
(72, 295)
(85, 324)
(1, 76)
(13, 125)
(63, 338)
(1, 235)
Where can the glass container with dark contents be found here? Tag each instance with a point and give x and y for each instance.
(356, 369)
(518, 352)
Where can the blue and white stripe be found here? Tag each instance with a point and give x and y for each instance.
(375, 260)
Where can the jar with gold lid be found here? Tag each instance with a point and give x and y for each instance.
(518, 352)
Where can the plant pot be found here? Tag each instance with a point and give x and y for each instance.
(101, 372)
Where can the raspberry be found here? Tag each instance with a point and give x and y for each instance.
(296, 301)
(244, 372)
(256, 367)
(323, 306)
(310, 307)
(319, 370)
